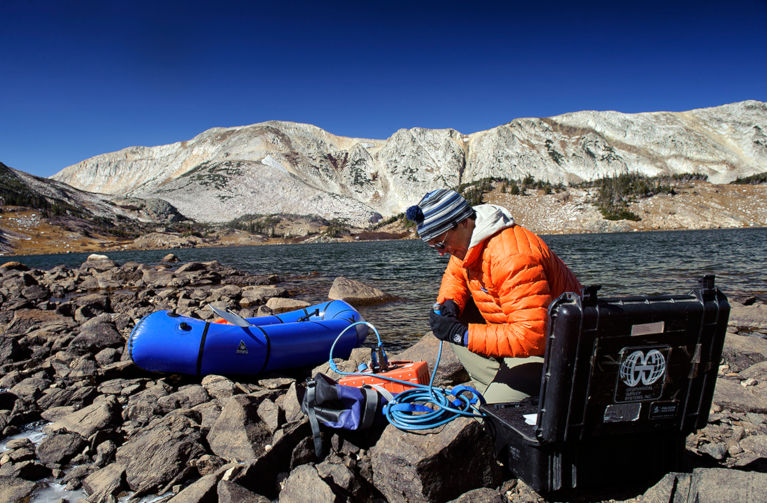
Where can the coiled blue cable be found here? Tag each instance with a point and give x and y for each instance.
(423, 406)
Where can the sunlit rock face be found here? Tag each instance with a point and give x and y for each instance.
(289, 168)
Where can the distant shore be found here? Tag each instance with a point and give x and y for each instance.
(176, 241)
(694, 205)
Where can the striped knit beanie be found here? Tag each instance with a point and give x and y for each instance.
(437, 212)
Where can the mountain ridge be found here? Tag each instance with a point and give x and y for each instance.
(288, 167)
(40, 216)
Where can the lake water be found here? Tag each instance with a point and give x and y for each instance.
(623, 263)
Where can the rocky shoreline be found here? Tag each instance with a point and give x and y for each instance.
(112, 429)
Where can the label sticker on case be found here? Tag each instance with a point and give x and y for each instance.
(664, 410)
(622, 412)
(648, 328)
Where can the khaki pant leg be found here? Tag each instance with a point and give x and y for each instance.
(511, 381)
(481, 370)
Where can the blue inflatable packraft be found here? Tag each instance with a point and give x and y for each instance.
(167, 342)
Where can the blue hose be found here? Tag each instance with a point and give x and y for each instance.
(423, 407)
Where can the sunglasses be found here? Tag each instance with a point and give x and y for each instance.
(441, 245)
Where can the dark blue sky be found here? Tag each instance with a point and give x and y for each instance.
(81, 78)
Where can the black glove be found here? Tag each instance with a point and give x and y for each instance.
(449, 308)
(447, 328)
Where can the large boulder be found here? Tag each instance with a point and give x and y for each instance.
(262, 475)
(143, 407)
(26, 320)
(102, 484)
(89, 306)
(238, 433)
(164, 240)
(18, 461)
(356, 293)
(13, 489)
(59, 448)
(748, 317)
(443, 464)
(450, 370)
(95, 335)
(186, 397)
(77, 396)
(9, 350)
(30, 388)
(708, 485)
(156, 277)
(305, 484)
(219, 387)
(742, 351)
(98, 262)
(98, 416)
(12, 266)
(203, 490)
(229, 492)
(281, 305)
(258, 294)
(731, 395)
(161, 452)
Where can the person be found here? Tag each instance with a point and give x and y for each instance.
(493, 302)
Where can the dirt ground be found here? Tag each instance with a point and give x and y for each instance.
(24, 231)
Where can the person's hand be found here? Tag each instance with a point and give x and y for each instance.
(447, 328)
(449, 308)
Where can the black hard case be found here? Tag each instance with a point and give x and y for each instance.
(624, 381)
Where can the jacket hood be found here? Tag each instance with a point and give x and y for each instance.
(491, 218)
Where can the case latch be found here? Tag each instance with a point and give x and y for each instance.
(590, 295)
(707, 288)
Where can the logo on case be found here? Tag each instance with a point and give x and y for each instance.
(641, 367)
(641, 373)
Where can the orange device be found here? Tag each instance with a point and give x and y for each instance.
(414, 372)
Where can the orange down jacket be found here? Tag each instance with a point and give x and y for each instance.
(512, 276)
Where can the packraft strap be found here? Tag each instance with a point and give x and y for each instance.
(310, 401)
(371, 404)
(202, 347)
(268, 347)
(308, 314)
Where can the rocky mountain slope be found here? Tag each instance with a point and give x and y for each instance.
(36, 210)
(283, 167)
(692, 205)
(20, 188)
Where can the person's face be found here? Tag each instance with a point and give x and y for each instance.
(451, 242)
(440, 242)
